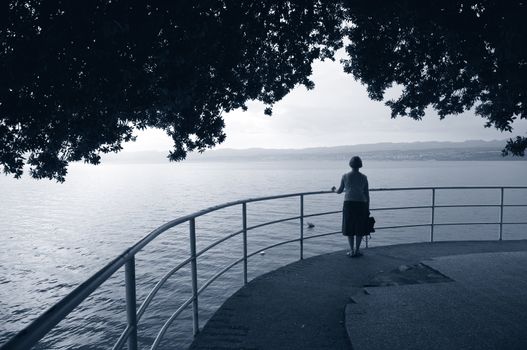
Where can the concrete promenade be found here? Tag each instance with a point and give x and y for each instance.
(445, 295)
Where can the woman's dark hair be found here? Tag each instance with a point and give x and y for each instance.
(356, 162)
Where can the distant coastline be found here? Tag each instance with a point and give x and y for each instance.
(462, 151)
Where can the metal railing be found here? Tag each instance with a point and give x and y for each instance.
(35, 331)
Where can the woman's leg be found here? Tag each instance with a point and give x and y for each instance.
(357, 243)
(350, 241)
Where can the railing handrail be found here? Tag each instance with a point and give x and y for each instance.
(31, 334)
(50, 318)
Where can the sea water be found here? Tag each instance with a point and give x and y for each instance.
(54, 236)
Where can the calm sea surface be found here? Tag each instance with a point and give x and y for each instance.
(54, 236)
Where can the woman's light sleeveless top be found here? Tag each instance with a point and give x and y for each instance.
(356, 187)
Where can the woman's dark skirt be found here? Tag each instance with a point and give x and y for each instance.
(355, 218)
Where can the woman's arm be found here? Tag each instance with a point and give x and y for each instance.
(341, 187)
(367, 192)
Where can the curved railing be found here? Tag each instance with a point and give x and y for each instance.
(48, 320)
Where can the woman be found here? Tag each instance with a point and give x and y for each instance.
(356, 206)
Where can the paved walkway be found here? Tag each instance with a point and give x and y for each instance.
(382, 300)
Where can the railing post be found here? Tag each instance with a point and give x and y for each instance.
(193, 267)
(301, 227)
(433, 215)
(131, 308)
(501, 214)
(244, 219)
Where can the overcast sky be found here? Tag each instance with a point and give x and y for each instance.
(337, 112)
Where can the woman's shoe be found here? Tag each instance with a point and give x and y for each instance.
(357, 254)
(350, 253)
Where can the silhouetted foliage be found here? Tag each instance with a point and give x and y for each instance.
(451, 55)
(77, 77)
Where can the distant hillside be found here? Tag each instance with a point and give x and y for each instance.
(468, 150)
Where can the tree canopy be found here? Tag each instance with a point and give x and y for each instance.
(76, 78)
(450, 55)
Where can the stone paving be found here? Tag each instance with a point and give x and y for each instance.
(482, 306)
(445, 295)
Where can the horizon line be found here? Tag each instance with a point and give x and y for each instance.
(321, 147)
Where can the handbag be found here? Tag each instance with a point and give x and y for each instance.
(371, 224)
